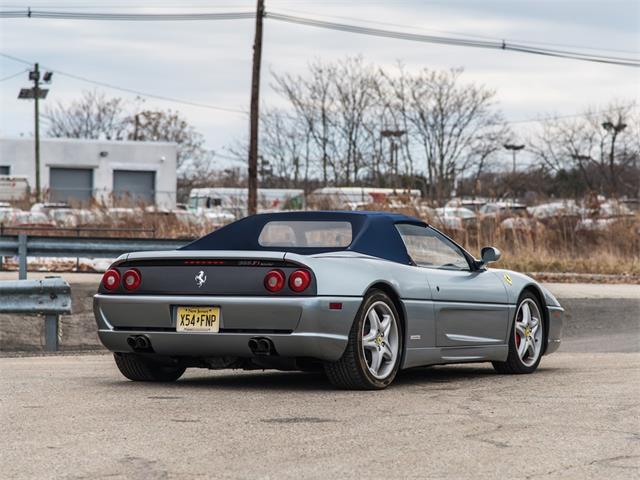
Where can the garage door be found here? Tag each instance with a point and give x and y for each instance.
(70, 184)
(134, 186)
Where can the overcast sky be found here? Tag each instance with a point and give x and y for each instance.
(209, 62)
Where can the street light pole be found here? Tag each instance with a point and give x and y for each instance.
(36, 103)
(36, 93)
(393, 151)
(615, 130)
(514, 149)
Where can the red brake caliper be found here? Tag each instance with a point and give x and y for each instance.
(517, 340)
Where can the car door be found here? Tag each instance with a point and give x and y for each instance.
(470, 306)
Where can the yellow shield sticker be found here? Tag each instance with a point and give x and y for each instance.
(507, 279)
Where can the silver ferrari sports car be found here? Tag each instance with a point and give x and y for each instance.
(359, 295)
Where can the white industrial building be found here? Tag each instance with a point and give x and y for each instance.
(73, 170)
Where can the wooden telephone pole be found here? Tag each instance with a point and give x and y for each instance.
(252, 206)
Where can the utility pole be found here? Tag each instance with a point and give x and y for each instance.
(252, 206)
(36, 93)
(514, 149)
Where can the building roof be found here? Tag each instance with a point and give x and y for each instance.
(94, 141)
(373, 233)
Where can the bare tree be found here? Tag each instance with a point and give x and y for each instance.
(91, 116)
(312, 100)
(168, 126)
(394, 92)
(285, 148)
(97, 116)
(345, 105)
(600, 146)
(449, 120)
(483, 152)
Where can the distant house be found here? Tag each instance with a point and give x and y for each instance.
(77, 171)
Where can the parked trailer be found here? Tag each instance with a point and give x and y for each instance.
(234, 200)
(352, 198)
(13, 187)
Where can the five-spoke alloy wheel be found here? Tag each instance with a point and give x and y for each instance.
(380, 339)
(372, 357)
(527, 338)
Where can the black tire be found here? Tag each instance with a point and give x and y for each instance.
(351, 371)
(140, 369)
(514, 365)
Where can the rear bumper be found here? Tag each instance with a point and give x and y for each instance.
(297, 326)
(556, 323)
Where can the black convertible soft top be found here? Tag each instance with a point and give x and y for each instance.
(373, 233)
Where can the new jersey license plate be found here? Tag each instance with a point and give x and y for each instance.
(198, 319)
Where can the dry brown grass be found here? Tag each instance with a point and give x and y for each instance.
(555, 246)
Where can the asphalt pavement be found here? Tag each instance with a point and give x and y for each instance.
(75, 417)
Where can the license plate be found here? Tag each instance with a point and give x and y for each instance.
(198, 319)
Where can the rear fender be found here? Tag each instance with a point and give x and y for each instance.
(353, 275)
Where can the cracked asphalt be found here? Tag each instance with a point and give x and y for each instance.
(75, 417)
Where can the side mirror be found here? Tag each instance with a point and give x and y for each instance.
(489, 255)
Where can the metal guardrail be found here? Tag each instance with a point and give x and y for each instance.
(50, 297)
(23, 246)
(12, 229)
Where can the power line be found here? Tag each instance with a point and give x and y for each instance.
(294, 116)
(562, 117)
(13, 76)
(232, 110)
(16, 59)
(134, 17)
(131, 90)
(442, 40)
(130, 6)
(494, 45)
(448, 32)
(229, 157)
(151, 95)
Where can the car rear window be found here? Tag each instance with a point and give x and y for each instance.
(300, 234)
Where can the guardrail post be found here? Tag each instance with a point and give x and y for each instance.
(49, 297)
(51, 332)
(22, 256)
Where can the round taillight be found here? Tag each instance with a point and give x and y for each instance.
(111, 279)
(274, 281)
(131, 279)
(299, 280)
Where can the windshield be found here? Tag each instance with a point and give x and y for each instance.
(313, 234)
